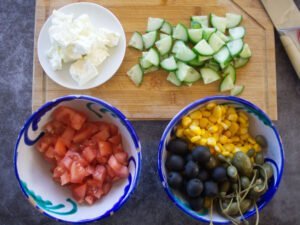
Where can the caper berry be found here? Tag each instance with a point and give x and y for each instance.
(245, 182)
(261, 140)
(232, 172)
(251, 152)
(259, 158)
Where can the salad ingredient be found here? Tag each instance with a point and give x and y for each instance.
(178, 146)
(76, 40)
(216, 52)
(191, 169)
(194, 187)
(175, 180)
(88, 157)
(175, 163)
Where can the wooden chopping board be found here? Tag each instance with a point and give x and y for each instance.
(156, 98)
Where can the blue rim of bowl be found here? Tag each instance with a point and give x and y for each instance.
(130, 129)
(176, 119)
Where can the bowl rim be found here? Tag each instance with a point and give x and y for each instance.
(77, 87)
(183, 112)
(130, 129)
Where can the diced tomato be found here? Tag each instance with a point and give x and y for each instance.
(94, 188)
(117, 148)
(60, 148)
(89, 153)
(113, 129)
(58, 171)
(83, 134)
(67, 136)
(123, 172)
(110, 172)
(55, 127)
(100, 173)
(79, 192)
(69, 117)
(66, 162)
(116, 140)
(90, 169)
(89, 199)
(102, 125)
(75, 156)
(74, 147)
(105, 148)
(78, 172)
(106, 187)
(101, 159)
(65, 178)
(122, 158)
(114, 164)
(49, 154)
(101, 136)
(44, 143)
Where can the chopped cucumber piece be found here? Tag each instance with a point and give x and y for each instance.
(149, 39)
(195, 35)
(136, 41)
(153, 57)
(195, 25)
(166, 28)
(246, 52)
(136, 74)
(154, 24)
(237, 90)
(215, 42)
(177, 46)
(240, 62)
(222, 36)
(173, 79)
(235, 47)
(162, 35)
(233, 20)
(213, 65)
(184, 53)
(230, 71)
(209, 75)
(195, 62)
(164, 45)
(180, 32)
(203, 48)
(237, 32)
(187, 73)
(208, 31)
(218, 22)
(223, 56)
(169, 64)
(226, 84)
(203, 20)
(151, 69)
(145, 64)
(202, 58)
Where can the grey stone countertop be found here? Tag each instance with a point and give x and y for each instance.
(149, 204)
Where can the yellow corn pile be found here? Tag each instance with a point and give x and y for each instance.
(224, 129)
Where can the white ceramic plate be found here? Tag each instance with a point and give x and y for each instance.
(100, 17)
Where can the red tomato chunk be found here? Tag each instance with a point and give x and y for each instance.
(87, 156)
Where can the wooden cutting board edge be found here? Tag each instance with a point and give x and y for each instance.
(39, 77)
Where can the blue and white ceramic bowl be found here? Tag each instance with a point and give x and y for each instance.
(259, 124)
(34, 176)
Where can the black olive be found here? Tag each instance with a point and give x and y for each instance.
(189, 157)
(203, 175)
(201, 154)
(191, 169)
(175, 180)
(174, 163)
(212, 163)
(211, 189)
(196, 203)
(194, 187)
(219, 174)
(178, 146)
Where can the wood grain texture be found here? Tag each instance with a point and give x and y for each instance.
(157, 99)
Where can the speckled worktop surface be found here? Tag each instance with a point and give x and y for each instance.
(149, 204)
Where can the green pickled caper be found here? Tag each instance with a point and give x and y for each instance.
(245, 205)
(257, 191)
(259, 158)
(243, 164)
(234, 187)
(268, 169)
(251, 152)
(224, 188)
(261, 140)
(232, 209)
(212, 163)
(245, 182)
(232, 172)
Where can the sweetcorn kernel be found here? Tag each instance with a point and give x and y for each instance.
(195, 129)
(213, 129)
(228, 133)
(232, 117)
(244, 137)
(242, 120)
(206, 114)
(188, 133)
(213, 119)
(186, 121)
(251, 140)
(234, 128)
(223, 139)
(235, 139)
(210, 105)
(231, 110)
(226, 153)
(179, 132)
(195, 139)
(257, 148)
(217, 112)
(203, 122)
(243, 115)
(243, 131)
(227, 122)
(196, 115)
(224, 125)
(211, 141)
(203, 141)
(195, 122)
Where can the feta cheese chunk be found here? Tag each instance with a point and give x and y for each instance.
(83, 71)
(55, 58)
(111, 38)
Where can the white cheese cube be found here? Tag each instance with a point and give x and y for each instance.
(55, 58)
(97, 56)
(83, 71)
(112, 38)
(59, 18)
